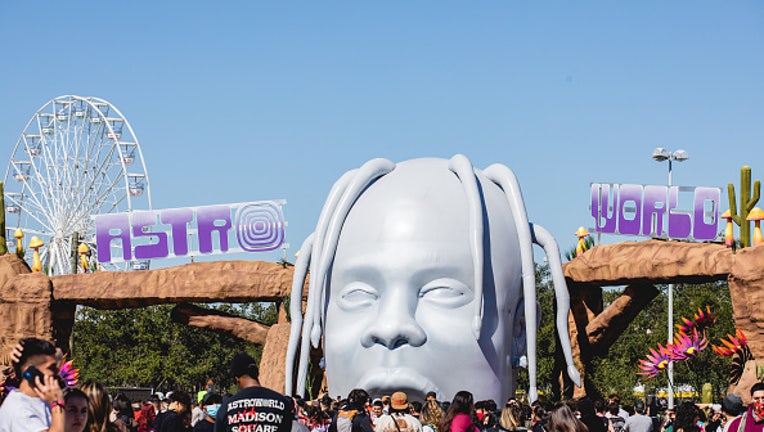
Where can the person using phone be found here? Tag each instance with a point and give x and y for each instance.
(38, 404)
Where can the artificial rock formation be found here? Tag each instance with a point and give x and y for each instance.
(35, 305)
(642, 264)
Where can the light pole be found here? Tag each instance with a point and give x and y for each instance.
(660, 154)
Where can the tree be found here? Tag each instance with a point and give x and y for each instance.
(142, 347)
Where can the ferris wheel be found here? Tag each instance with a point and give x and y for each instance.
(77, 157)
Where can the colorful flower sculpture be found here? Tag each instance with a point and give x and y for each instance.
(686, 346)
(656, 362)
(700, 322)
(734, 345)
(69, 374)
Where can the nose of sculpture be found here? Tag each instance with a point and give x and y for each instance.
(394, 326)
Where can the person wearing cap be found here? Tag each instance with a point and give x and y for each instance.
(638, 422)
(732, 407)
(254, 408)
(752, 419)
(399, 419)
(172, 421)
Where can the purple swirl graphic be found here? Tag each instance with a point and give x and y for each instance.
(259, 227)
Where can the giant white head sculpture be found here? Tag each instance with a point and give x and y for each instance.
(422, 279)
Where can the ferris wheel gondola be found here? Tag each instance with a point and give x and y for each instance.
(77, 157)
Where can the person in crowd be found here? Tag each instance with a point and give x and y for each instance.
(352, 417)
(38, 403)
(512, 418)
(148, 414)
(399, 419)
(600, 409)
(732, 406)
(484, 411)
(318, 419)
(254, 407)
(714, 418)
(589, 416)
(76, 410)
(538, 424)
(562, 419)
(615, 399)
(752, 419)
(99, 408)
(639, 422)
(210, 405)
(376, 411)
(686, 418)
(460, 416)
(175, 418)
(416, 409)
(432, 414)
(197, 413)
(616, 419)
(122, 412)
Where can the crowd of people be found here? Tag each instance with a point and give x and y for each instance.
(44, 401)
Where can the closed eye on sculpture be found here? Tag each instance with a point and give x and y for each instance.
(446, 292)
(357, 295)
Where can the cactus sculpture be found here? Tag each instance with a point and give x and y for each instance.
(747, 202)
(3, 244)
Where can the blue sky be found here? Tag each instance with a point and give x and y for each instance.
(242, 101)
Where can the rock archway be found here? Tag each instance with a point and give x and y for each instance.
(640, 265)
(33, 304)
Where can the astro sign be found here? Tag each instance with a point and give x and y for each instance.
(655, 211)
(242, 227)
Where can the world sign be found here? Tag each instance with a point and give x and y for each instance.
(655, 211)
(241, 227)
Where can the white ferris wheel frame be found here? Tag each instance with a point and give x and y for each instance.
(52, 194)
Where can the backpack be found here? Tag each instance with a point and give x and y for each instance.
(618, 423)
(345, 420)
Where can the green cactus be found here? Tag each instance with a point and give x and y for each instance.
(3, 243)
(747, 202)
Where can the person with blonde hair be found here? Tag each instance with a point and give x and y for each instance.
(431, 415)
(512, 419)
(99, 408)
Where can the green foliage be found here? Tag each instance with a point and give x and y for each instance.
(143, 347)
(616, 371)
(546, 340)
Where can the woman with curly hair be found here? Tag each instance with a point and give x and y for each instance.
(686, 418)
(461, 414)
(431, 415)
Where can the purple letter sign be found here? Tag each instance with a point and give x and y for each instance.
(656, 211)
(242, 227)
